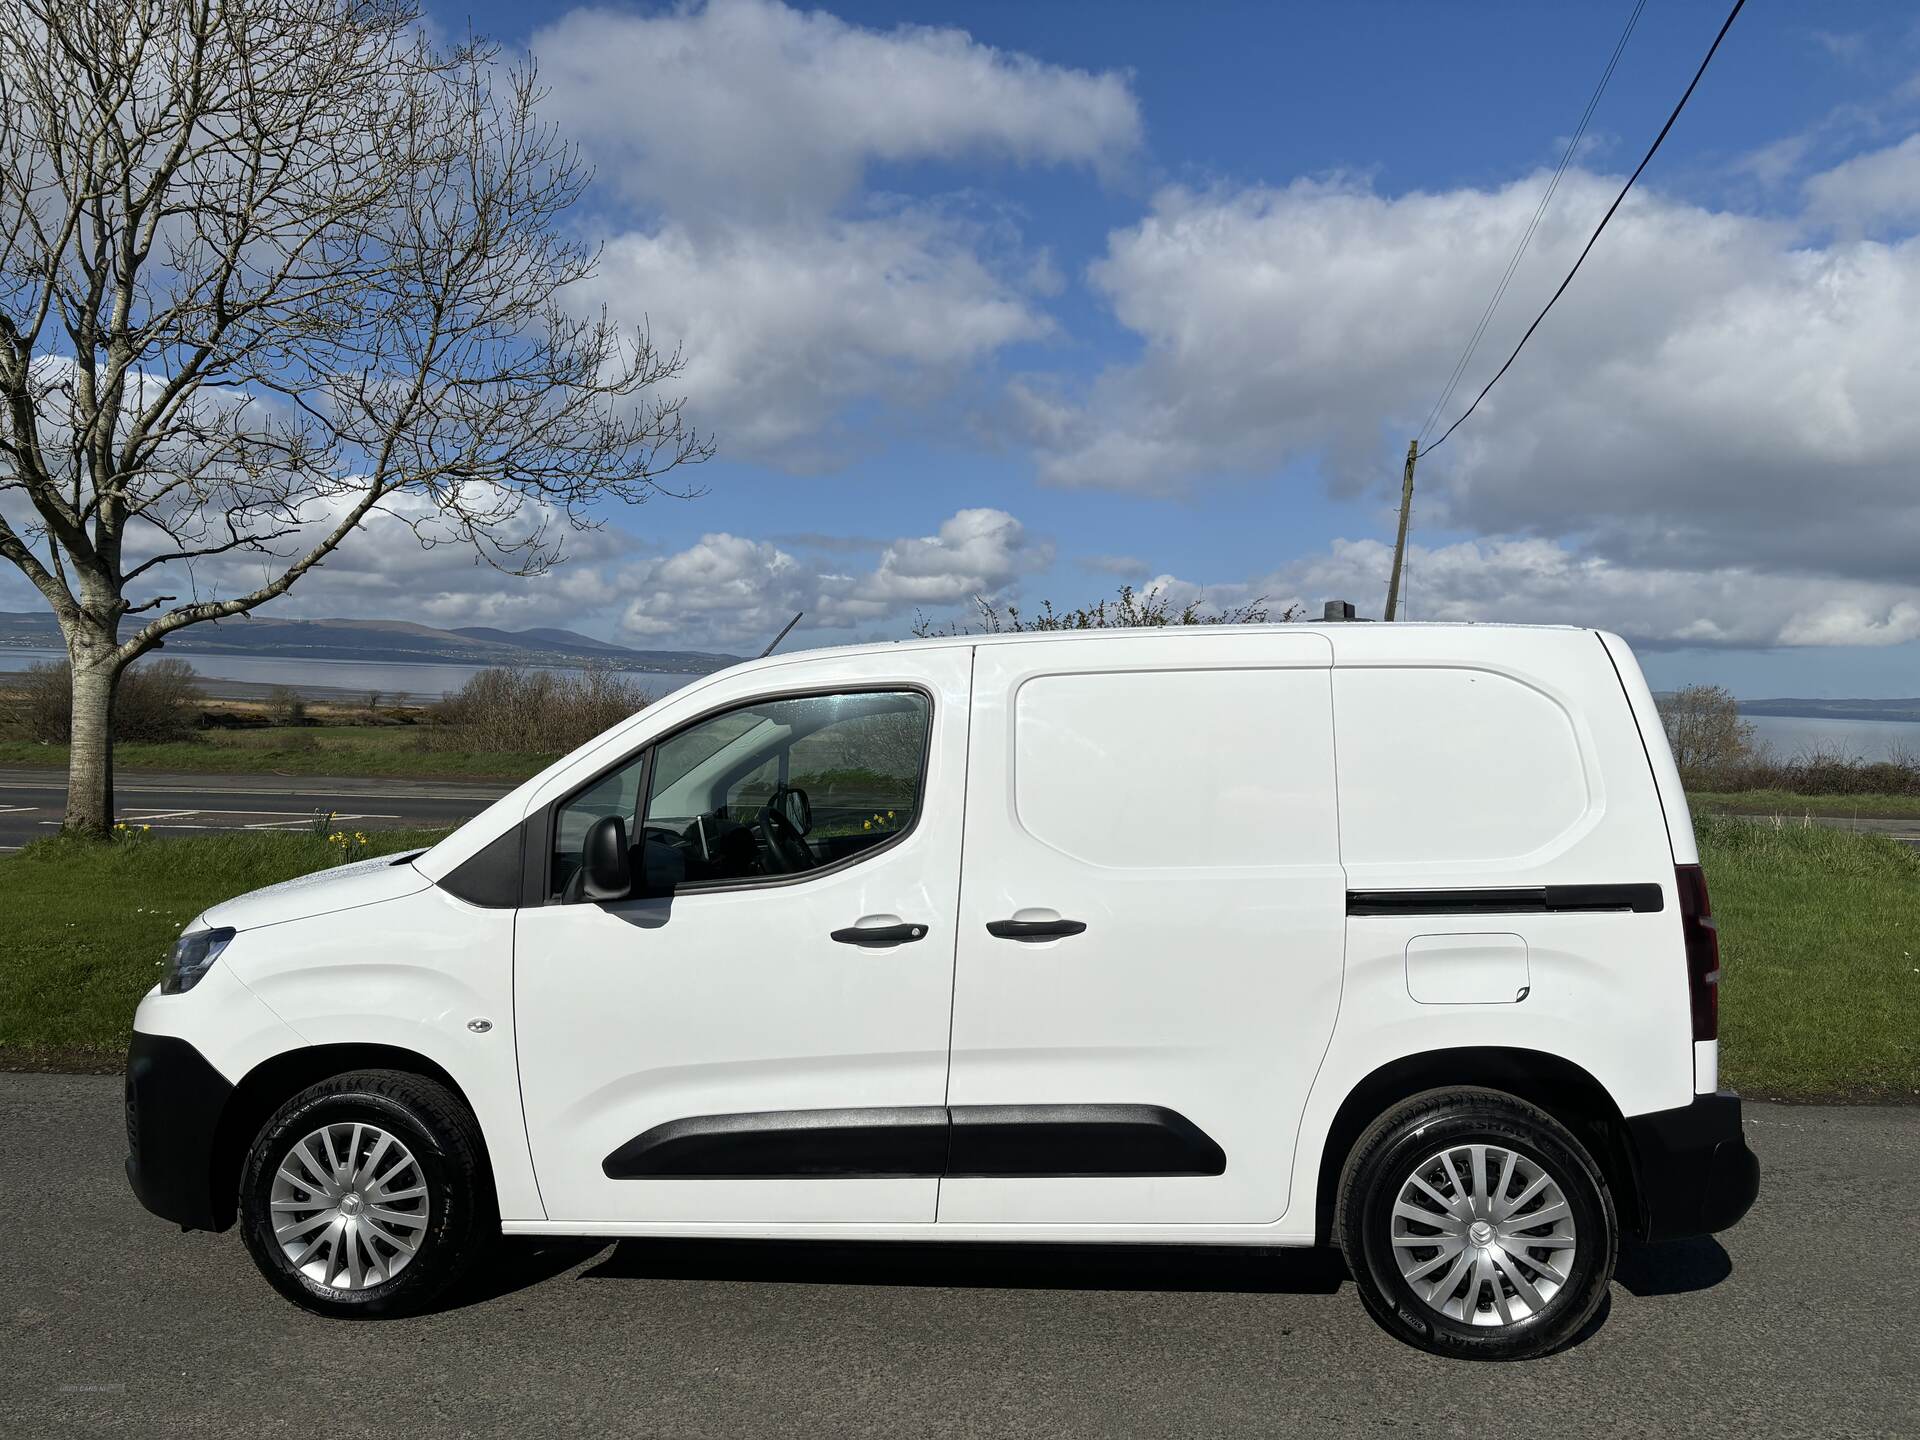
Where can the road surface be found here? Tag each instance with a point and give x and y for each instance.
(1804, 1324)
(32, 801)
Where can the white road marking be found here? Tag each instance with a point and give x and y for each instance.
(300, 814)
(285, 820)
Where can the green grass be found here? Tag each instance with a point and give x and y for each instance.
(1787, 803)
(87, 925)
(1820, 936)
(1820, 939)
(343, 750)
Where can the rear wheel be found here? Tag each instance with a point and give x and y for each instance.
(1477, 1225)
(367, 1194)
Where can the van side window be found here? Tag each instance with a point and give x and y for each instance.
(615, 793)
(768, 789)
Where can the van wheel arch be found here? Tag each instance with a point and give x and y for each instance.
(274, 1081)
(1564, 1090)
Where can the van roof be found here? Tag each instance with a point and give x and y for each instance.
(1015, 637)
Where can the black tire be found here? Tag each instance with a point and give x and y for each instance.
(1384, 1161)
(461, 1217)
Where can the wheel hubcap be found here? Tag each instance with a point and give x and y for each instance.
(349, 1206)
(1483, 1234)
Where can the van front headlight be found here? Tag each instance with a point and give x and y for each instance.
(193, 955)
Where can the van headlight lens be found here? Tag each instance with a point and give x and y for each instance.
(193, 955)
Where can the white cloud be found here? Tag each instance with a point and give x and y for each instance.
(1538, 581)
(1879, 188)
(744, 131)
(1846, 46)
(745, 107)
(730, 590)
(783, 327)
(1710, 393)
(723, 591)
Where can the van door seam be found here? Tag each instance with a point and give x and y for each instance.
(959, 908)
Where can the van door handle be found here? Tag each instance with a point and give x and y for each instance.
(880, 937)
(1034, 929)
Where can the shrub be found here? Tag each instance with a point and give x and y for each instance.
(1716, 751)
(287, 705)
(1705, 729)
(1810, 772)
(1131, 609)
(532, 712)
(157, 700)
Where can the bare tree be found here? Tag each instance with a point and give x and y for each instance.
(1705, 729)
(268, 267)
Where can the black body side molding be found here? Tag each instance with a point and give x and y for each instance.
(1515, 900)
(925, 1141)
(1062, 1141)
(875, 1143)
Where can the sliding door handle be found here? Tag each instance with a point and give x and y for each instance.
(1034, 929)
(880, 937)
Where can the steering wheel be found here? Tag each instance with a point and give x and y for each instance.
(785, 844)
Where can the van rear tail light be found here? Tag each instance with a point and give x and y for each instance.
(1703, 950)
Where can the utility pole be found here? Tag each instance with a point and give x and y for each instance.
(1400, 542)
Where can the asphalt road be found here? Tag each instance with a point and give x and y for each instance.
(1805, 1323)
(32, 801)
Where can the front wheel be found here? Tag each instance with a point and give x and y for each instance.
(367, 1194)
(1476, 1225)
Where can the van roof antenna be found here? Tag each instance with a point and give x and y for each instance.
(781, 636)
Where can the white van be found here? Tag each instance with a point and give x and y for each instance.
(1389, 936)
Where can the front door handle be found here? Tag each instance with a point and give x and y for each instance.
(1034, 929)
(880, 937)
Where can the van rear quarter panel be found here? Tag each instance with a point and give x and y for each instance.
(1501, 757)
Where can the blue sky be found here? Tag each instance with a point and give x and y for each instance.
(1028, 300)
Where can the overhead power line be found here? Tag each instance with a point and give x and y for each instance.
(1652, 150)
(1526, 237)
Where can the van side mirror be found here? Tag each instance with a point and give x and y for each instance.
(662, 868)
(606, 872)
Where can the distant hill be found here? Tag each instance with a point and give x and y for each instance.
(1835, 709)
(400, 641)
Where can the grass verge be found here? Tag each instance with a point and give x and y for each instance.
(88, 924)
(1820, 933)
(1820, 937)
(333, 750)
(1792, 805)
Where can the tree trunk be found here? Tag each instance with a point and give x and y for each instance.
(90, 756)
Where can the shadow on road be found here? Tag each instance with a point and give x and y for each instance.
(956, 1266)
(1668, 1269)
(1674, 1267)
(520, 1265)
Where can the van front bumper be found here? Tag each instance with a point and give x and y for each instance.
(1694, 1170)
(174, 1103)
